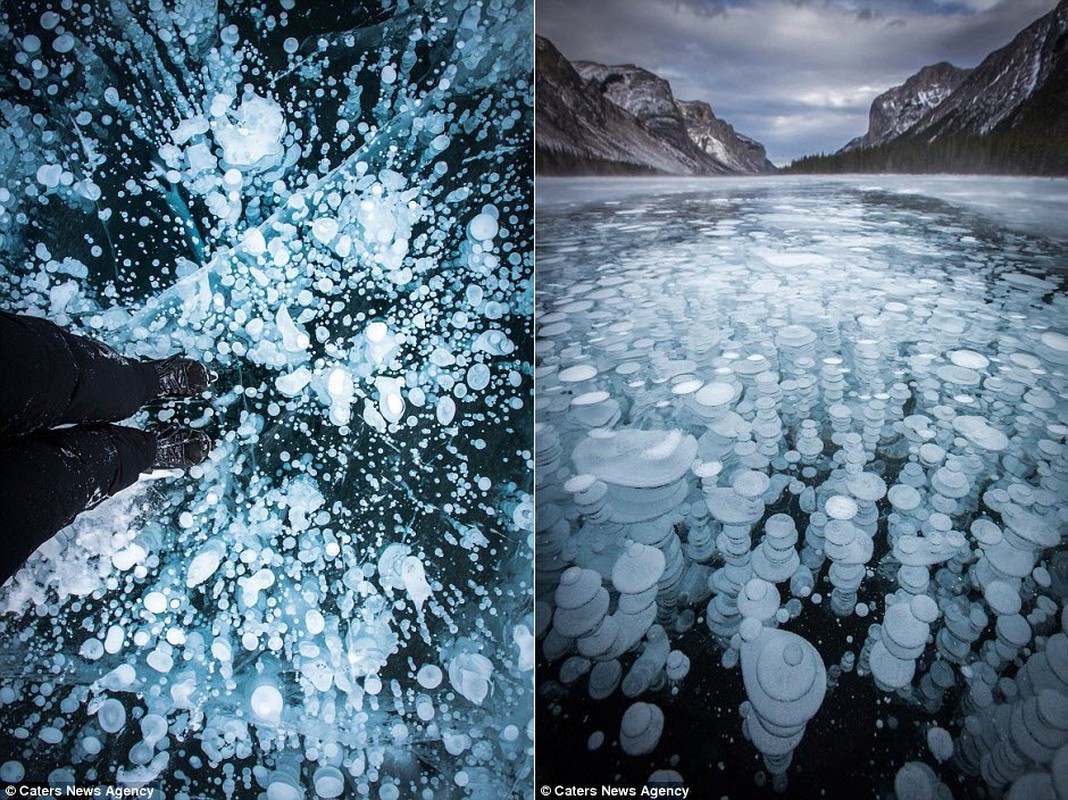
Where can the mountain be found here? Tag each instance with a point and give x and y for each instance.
(580, 130)
(898, 109)
(994, 96)
(719, 139)
(594, 118)
(648, 98)
(1007, 115)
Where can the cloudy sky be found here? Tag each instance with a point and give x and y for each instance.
(797, 75)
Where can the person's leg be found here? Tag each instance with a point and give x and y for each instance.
(110, 387)
(48, 478)
(50, 377)
(37, 374)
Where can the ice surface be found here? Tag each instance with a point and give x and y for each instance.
(330, 206)
(836, 411)
(1025, 204)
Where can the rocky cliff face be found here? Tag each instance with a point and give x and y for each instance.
(648, 98)
(1019, 87)
(593, 118)
(719, 139)
(1002, 91)
(898, 109)
(579, 130)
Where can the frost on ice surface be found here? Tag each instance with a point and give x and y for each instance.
(801, 490)
(330, 208)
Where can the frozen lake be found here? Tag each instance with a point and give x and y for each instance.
(1038, 205)
(801, 481)
(330, 205)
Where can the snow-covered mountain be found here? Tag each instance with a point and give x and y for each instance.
(1009, 114)
(719, 139)
(898, 109)
(624, 119)
(1011, 81)
(580, 130)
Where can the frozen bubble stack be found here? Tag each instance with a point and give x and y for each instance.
(644, 478)
(934, 684)
(581, 603)
(917, 781)
(737, 508)
(776, 558)
(964, 623)
(640, 729)
(849, 548)
(904, 631)
(785, 682)
(1008, 740)
(649, 667)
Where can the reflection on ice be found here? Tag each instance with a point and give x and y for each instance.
(773, 411)
(331, 208)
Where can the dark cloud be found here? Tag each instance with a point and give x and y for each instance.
(798, 75)
(869, 14)
(700, 8)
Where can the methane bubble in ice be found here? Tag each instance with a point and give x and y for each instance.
(640, 729)
(785, 682)
(329, 205)
(802, 469)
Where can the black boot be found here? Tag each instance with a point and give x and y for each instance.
(180, 447)
(182, 377)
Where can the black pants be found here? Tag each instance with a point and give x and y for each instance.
(49, 377)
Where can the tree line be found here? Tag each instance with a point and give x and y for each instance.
(1009, 152)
